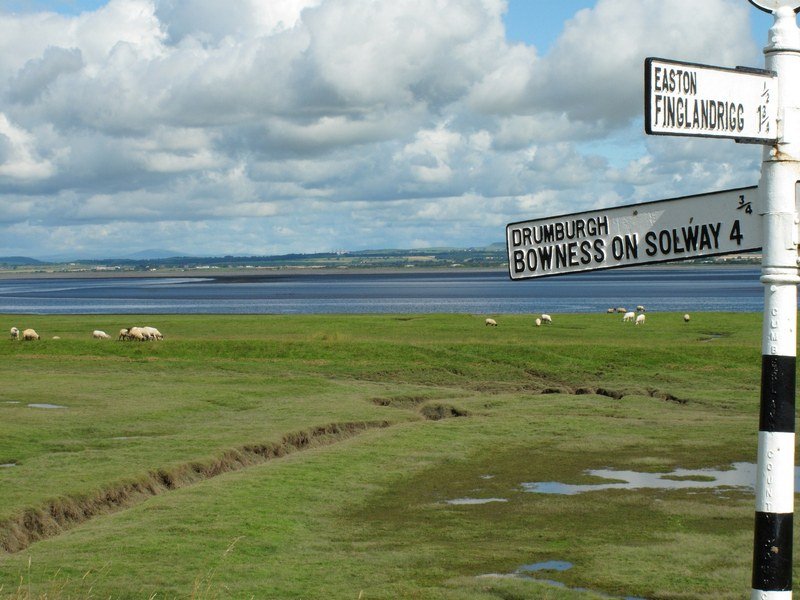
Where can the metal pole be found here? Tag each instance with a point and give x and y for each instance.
(780, 171)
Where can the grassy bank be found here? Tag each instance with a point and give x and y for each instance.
(314, 456)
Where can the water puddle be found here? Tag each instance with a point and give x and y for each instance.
(554, 565)
(7, 465)
(740, 475)
(11, 402)
(46, 406)
(548, 565)
(710, 337)
(462, 501)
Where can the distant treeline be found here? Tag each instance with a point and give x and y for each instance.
(488, 256)
(491, 256)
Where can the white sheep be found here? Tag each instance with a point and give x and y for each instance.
(686, 318)
(538, 322)
(14, 333)
(123, 334)
(628, 316)
(640, 309)
(622, 309)
(640, 319)
(30, 334)
(152, 333)
(547, 319)
(100, 335)
(491, 322)
(136, 333)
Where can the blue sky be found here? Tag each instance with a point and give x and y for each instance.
(527, 22)
(66, 7)
(246, 127)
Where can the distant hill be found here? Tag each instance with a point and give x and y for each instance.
(153, 254)
(490, 256)
(16, 261)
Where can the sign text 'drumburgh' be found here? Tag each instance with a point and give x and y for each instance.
(667, 230)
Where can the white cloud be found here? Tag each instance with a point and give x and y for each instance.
(595, 70)
(21, 159)
(304, 125)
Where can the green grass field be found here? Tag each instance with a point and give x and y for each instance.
(314, 456)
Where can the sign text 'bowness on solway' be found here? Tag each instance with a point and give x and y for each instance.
(713, 224)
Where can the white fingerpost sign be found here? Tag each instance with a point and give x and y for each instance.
(748, 105)
(724, 222)
(780, 172)
(700, 100)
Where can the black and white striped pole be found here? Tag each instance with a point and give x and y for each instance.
(780, 172)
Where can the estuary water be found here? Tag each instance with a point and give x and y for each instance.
(684, 289)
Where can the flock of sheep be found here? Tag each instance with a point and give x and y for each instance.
(637, 317)
(544, 319)
(147, 333)
(27, 334)
(140, 334)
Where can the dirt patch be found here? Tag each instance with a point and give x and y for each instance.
(438, 411)
(58, 515)
(666, 396)
(555, 390)
(400, 401)
(615, 394)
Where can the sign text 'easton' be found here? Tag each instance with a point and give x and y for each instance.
(699, 100)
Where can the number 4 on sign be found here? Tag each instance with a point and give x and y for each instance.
(736, 233)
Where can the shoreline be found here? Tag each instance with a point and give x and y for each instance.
(243, 273)
(261, 273)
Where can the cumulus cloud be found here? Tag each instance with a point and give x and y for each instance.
(22, 160)
(311, 125)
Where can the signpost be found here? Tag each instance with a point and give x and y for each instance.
(667, 230)
(780, 171)
(699, 100)
(748, 105)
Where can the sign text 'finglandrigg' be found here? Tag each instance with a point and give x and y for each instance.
(698, 100)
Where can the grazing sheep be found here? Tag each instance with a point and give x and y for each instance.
(547, 319)
(611, 310)
(628, 316)
(152, 333)
(136, 333)
(686, 318)
(123, 334)
(640, 309)
(538, 322)
(30, 334)
(100, 335)
(622, 309)
(14, 333)
(491, 322)
(640, 319)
